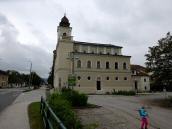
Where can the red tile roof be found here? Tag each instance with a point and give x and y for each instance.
(140, 70)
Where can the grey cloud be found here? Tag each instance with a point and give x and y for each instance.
(46, 43)
(19, 0)
(15, 55)
(138, 16)
(135, 24)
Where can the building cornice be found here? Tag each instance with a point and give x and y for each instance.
(96, 44)
(100, 54)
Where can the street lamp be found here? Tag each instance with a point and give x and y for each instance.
(72, 59)
(30, 73)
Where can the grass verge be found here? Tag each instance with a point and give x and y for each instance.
(165, 102)
(35, 118)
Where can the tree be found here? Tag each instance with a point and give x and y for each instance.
(51, 73)
(50, 77)
(159, 62)
(36, 80)
(15, 78)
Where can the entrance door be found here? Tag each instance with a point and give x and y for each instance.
(98, 85)
(136, 85)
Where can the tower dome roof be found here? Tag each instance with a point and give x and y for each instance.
(64, 22)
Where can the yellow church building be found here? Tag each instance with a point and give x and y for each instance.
(89, 67)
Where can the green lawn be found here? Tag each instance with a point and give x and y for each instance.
(35, 118)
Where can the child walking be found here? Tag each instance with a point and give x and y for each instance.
(144, 119)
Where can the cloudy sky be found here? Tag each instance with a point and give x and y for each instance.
(28, 28)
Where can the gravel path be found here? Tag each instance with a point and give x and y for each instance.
(120, 112)
(104, 118)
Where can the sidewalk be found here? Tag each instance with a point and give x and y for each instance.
(15, 116)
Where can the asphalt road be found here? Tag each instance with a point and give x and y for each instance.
(160, 118)
(7, 96)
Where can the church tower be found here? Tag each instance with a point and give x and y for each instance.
(64, 30)
(62, 67)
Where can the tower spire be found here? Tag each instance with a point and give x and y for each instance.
(64, 22)
(65, 13)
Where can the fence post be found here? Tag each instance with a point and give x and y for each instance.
(41, 104)
(48, 115)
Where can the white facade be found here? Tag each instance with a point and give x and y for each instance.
(140, 79)
(99, 68)
(141, 83)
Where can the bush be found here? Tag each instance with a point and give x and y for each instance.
(107, 93)
(74, 97)
(62, 108)
(127, 93)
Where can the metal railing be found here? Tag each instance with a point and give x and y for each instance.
(49, 117)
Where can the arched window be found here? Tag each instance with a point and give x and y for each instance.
(98, 64)
(76, 50)
(98, 78)
(60, 80)
(88, 64)
(116, 65)
(107, 65)
(107, 78)
(125, 78)
(116, 78)
(78, 64)
(64, 34)
(79, 78)
(124, 65)
(89, 78)
(145, 88)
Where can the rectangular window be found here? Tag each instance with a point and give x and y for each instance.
(107, 65)
(98, 64)
(116, 65)
(88, 64)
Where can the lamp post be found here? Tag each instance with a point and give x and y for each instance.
(30, 74)
(72, 59)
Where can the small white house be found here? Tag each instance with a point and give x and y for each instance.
(140, 78)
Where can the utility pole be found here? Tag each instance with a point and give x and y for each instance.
(30, 74)
(73, 74)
